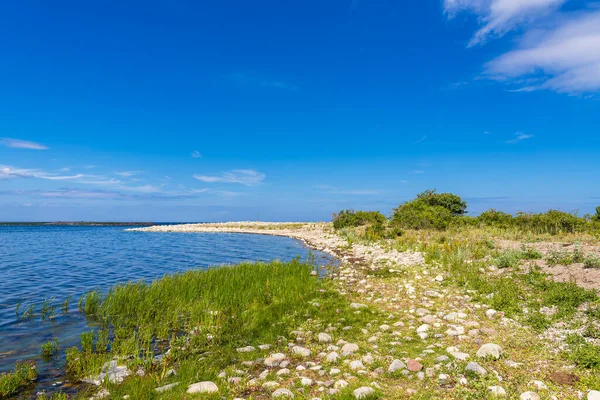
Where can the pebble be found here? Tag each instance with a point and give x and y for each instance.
(529, 396)
(593, 395)
(324, 337)
(497, 391)
(396, 365)
(166, 387)
(283, 393)
(478, 369)
(363, 392)
(489, 350)
(301, 351)
(203, 387)
(349, 348)
(414, 365)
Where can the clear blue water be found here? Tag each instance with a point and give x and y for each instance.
(54, 262)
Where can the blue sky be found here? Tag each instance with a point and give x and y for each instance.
(229, 110)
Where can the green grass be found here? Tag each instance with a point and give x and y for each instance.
(201, 317)
(23, 374)
(50, 348)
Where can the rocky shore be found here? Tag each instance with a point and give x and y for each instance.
(428, 337)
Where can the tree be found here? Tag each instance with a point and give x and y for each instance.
(449, 201)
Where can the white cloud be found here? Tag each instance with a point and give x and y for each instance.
(564, 57)
(501, 16)
(246, 177)
(556, 50)
(519, 136)
(8, 172)
(196, 154)
(127, 174)
(22, 144)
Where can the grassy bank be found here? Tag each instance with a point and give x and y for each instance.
(187, 327)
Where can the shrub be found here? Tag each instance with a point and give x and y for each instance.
(449, 201)
(552, 222)
(417, 214)
(596, 217)
(351, 218)
(23, 374)
(495, 218)
(591, 261)
(509, 259)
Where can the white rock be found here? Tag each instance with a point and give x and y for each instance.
(203, 387)
(529, 396)
(478, 369)
(340, 384)
(166, 387)
(324, 337)
(490, 350)
(301, 351)
(357, 305)
(306, 381)
(423, 328)
(356, 365)
(283, 393)
(349, 348)
(246, 349)
(332, 357)
(593, 395)
(363, 392)
(539, 385)
(490, 313)
(497, 391)
(396, 365)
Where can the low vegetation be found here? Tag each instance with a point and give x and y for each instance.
(23, 375)
(50, 348)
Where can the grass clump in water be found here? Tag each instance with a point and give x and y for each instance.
(23, 374)
(50, 348)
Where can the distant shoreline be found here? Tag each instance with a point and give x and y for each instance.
(78, 223)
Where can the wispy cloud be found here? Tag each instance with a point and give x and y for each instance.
(329, 189)
(196, 154)
(417, 172)
(22, 144)
(127, 174)
(8, 172)
(246, 177)
(421, 139)
(557, 50)
(252, 78)
(519, 136)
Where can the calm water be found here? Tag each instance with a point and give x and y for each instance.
(57, 262)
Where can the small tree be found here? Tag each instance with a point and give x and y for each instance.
(597, 216)
(449, 201)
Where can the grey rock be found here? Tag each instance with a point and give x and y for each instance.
(203, 387)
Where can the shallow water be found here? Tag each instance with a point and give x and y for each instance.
(54, 262)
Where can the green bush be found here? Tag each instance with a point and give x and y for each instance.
(50, 348)
(351, 218)
(496, 218)
(596, 217)
(591, 261)
(23, 375)
(509, 259)
(449, 201)
(552, 222)
(417, 214)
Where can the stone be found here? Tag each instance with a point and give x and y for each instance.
(539, 385)
(476, 368)
(332, 357)
(324, 337)
(489, 350)
(368, 359)
(283, 393)
(306, 381)
(340, 384)
(203, 387)
(363, 392)
(593, 395)
(357, 305)
(274, 360)
(356, 365)
(301, 351)
(246, 349)
(270, 385)
(443, 379)
(529, 396)
(283, 372)
(428, 319)
(112, 371)
(396, 365)
(490, 313)
(497, 391)
(349, 348)
(166, 387)
(563, 378)
(423, 328)
(414, 365)
(459, 356)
